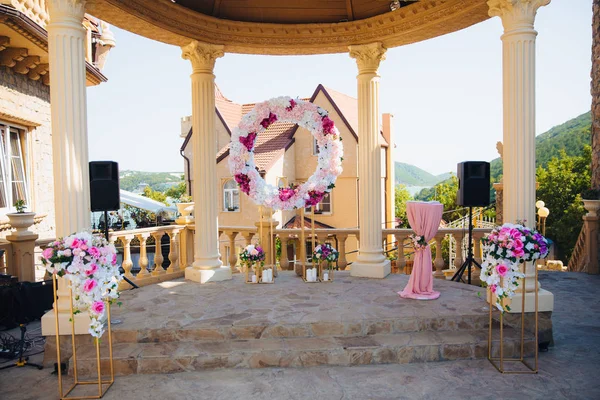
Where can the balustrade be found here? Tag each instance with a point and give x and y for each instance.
(34, 9)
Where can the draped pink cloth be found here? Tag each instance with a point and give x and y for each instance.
(424, 219)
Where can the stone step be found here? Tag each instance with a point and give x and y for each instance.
(300, 330)
(413, 347)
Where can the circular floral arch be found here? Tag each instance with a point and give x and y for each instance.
(305, 114)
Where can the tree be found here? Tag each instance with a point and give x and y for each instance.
(560, 185)
(401, 197)
(155, 195)
(177, 191)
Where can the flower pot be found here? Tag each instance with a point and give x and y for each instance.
(592, 207)
(21, 222)
(185, 209)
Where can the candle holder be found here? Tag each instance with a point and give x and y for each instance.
(255, 273)
(102, 385)
(268, 271)
(305, 271)
(326, 269)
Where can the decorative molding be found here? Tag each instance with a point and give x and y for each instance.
(516, 14)
(167, 22)
(202, 55)
(66, 10)
(368, 57)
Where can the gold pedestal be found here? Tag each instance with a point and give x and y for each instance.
(326, 268)
(319, 270)
(103, 386)
(258, 273)
(498, 362)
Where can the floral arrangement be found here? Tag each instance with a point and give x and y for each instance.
(89, 262)
(418, 242)
(504, 249)
(325, 252)
(305, 114)
(253, 254)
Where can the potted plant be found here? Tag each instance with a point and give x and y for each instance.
(185, 207)
(21, 220)
(591, 201)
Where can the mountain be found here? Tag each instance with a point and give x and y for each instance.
(132, 180)
(410, 175)
(570, 137)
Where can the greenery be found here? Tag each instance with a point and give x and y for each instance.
(155, 195)
(20, 206)
(407, 174)
(560, 186)
(569, 137)
(178, 192)
(444, 192)
(159, 181)
(402, 195)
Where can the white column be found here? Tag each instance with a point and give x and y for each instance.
(371, 261)
(518, 77)
(207, 265)
(66, 53)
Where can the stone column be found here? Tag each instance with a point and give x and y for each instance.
(207, 265)
(371, 262)
(518, 77)
(68, 108)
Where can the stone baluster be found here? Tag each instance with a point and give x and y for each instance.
(458, 249)
(233, 257)
(158, 257)
(127, 263)
(248, 237)
(173, 253)
(477, 247)
(342, 262)
(143, 256)
(284, 262)
(439, 260)
(401, 261)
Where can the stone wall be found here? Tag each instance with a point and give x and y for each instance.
(26, 103)
(596, 100)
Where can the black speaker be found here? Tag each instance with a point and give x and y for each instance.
(104, 186)
(473, 184)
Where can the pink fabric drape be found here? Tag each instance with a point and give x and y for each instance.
(424, 219)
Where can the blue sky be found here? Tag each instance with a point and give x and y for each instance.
(445, 93)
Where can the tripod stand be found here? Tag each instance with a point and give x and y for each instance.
(470, 260)
(22, 361)
(133, 285)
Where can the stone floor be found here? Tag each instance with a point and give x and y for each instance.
(569, 370)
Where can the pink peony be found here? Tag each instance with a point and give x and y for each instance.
(327, 125)
(91, 270)
(502, 270)
(89, 285)
(493, 288)
(47, 253)
(114, 259)
(94, 252)
(97, 307)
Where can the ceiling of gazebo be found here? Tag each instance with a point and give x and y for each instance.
(289, 27)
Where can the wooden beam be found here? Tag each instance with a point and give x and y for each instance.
(39, 71)
(4, 41)
(11, 55)
(216, 8)
(25, 65)
(349, 10)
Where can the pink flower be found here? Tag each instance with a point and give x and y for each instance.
(493, 288)
(114, 259)
(47, 253)
(248, 141)
(327, 125)
(91, 270)
(286, 193)
(502, 270)
(89, 285)
(97, 307)
(518, 245)
(94, 252)
(269, 120)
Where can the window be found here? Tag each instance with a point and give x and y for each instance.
(315, 147)
(324, 206)
(13, 178)
(231, 196)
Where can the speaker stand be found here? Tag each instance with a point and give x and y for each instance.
(470, 259)
(22, 361)
(133, 285)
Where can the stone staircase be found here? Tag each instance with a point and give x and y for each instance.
(384, 341)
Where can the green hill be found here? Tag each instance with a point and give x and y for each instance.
(407, 174)
(130, 180)
(570, 137)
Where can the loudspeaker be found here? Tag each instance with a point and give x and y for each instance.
(473, 183)
(104, 186)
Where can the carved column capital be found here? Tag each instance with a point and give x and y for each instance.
(515, 14)
(65, 10)
(202, 55)
(368, 56)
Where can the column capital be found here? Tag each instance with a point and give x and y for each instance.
(368, 56)
(61, 10)
(515, 14)
(202, 55)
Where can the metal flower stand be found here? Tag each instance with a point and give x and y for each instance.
(499, 362)
(103, 385)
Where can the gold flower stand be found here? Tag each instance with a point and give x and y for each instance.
(258, 272)
(326, 268)
(499, 362)
(103, 385)
(304, 269)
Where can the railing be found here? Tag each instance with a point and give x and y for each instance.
(34, 9)
(5, 258)
(577, 262)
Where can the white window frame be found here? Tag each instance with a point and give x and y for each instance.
(5, 161)
(228, 192)
(319, 206)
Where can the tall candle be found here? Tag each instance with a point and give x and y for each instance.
(253, 278)
(326, 276)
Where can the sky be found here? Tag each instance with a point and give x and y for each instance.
(445, 93)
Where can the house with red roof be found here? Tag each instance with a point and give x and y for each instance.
(286, 153)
